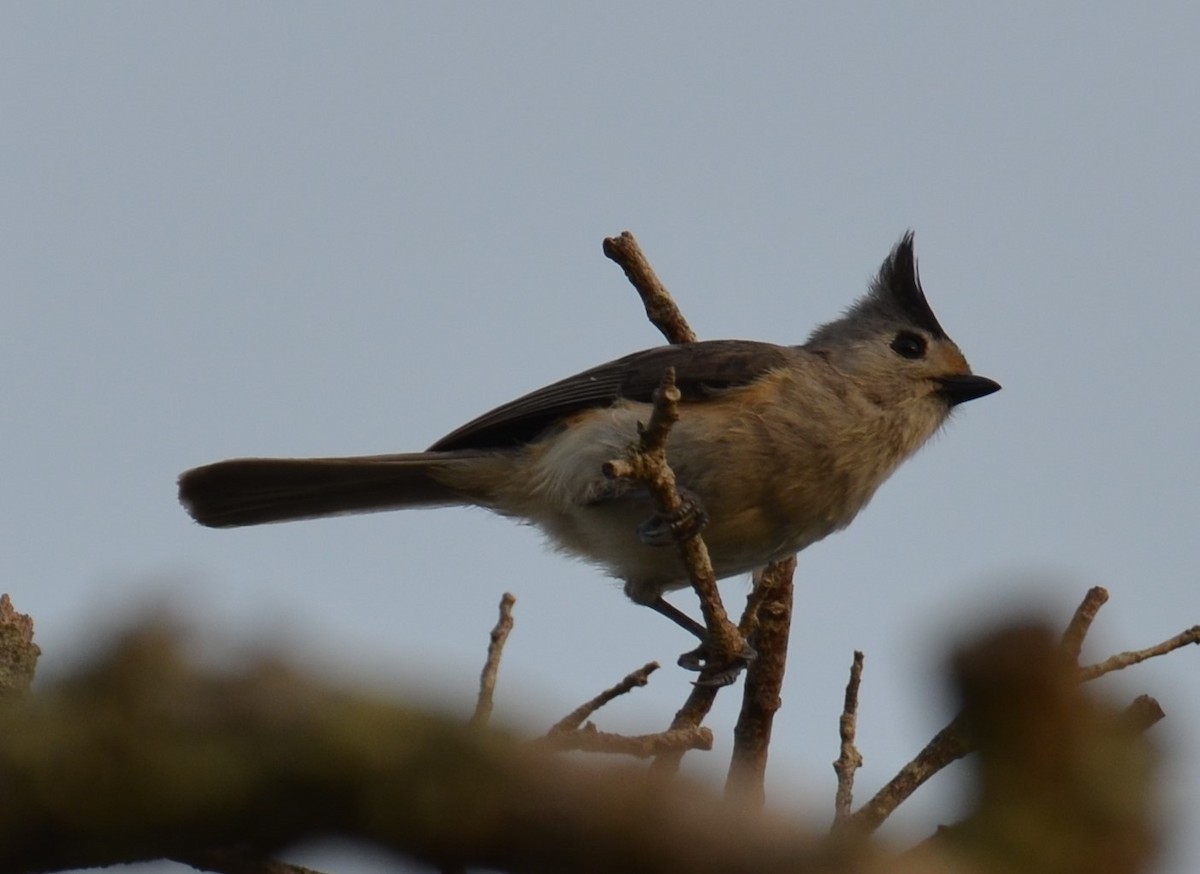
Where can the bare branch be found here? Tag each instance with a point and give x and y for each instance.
(660, 307)
(491, 667)
(948, 745)
(576, 717)
(591, 740)
(770, 613)
(666, 316)
(1126, 659)
(1081, 622)
(849, 759)
(691, 714)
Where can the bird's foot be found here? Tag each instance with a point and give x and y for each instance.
(715, 673)
(663, 529)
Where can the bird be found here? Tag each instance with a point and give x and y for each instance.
(777, 446)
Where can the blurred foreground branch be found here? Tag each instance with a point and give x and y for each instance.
(143, 756)
(957, 740)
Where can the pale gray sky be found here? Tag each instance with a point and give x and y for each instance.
(310, 229)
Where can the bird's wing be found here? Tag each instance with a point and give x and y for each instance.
(701, 369)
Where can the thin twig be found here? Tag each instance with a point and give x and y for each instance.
(1125, 659)
(948, 745)
(772, 620)
(576, 717)
(589, 739)
(660, 307)
(491, 667)
(849, 759)
(1081, 622)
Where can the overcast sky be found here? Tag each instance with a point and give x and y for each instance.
(318, 229)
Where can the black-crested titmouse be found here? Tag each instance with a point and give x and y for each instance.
(780, 445)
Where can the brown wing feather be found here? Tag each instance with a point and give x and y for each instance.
(700, 369)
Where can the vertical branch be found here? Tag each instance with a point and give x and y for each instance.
(647, 462)
(1081, 622)
(491, 667)
(849, 759)
(771, 603)
(769, 611)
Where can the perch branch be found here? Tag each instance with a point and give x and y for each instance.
(646, 462)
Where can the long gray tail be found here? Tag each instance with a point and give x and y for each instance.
(252, 491)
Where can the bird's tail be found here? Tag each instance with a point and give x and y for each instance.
(252, 491)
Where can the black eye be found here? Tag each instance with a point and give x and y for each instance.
(909, 345)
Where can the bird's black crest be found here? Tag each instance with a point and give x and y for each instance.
(900, 283)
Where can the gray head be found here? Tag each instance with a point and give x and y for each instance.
(892, 344)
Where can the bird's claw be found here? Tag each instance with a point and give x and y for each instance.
(715, 673)
(663, 529)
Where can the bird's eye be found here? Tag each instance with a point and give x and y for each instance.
(909, 345)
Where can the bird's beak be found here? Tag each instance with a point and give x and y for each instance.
(966, 387)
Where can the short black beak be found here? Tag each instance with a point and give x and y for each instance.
(967, 387)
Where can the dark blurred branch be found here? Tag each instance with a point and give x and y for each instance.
(239, 862)
(144, 757)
